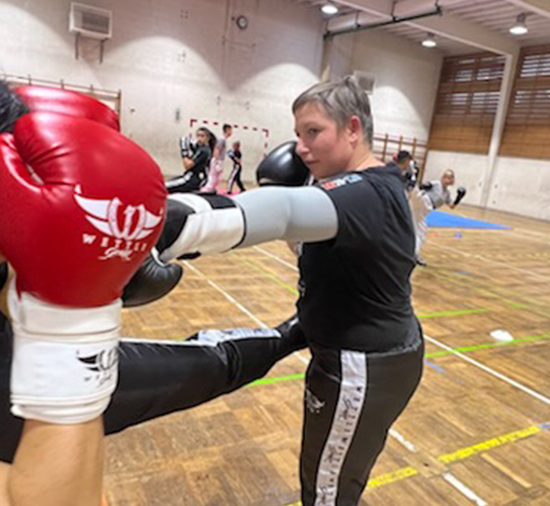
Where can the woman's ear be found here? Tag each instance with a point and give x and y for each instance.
(354, 128)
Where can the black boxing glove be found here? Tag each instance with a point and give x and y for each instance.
(460, 193)
(282, 167)
(152, 281)
(425, 186)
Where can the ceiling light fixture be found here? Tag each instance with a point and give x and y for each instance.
(520, 28)
(429, 41)
(329, 9)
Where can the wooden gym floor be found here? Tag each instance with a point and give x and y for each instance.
(476, 432)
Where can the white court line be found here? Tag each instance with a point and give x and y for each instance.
(405, 442)
(449, 477)
(463, 489)
(481, 366)
(492, 261)
(231, 299)
(275, 257)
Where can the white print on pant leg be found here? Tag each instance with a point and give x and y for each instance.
(232, 178)
(313, 403)
(180, 180)
(344, 424)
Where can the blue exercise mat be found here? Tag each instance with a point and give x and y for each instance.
(440, 219)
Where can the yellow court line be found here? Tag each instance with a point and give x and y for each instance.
(386, 479)
(461, 454)
(468, 451)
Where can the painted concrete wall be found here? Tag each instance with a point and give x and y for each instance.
(406, 78)
(175, 60)
(520, 186)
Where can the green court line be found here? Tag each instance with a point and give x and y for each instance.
(475, 347)
(272, 276)
(459, 280)
(439, 314)
(277, 379)
(458, 312)
(463, 349)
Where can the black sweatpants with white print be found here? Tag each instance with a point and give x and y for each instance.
(352, 399)
(189, 182)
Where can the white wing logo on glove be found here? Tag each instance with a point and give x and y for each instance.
(103, 215)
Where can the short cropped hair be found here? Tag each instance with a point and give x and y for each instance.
(402, 156)
(449, 172)
(341, 100)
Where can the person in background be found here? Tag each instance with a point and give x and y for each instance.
(196, 158)
(235, 176)
(409, 171)
(216, 164)
(432, 195)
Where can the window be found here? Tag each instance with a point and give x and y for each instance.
(527, 129)
(466, 104)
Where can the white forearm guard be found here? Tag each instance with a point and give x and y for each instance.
(65, 361)
(200, 224)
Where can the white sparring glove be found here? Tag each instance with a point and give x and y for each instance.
(200, 224)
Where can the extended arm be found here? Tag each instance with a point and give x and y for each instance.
(211, 224)
(293, 214)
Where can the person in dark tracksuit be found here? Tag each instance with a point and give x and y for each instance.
(357, 256)
(196, 160)
(235, 176)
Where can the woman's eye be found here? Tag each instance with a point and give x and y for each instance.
(313, 131)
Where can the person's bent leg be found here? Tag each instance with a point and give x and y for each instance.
(161, 377)
(158, 378)
(189, 182)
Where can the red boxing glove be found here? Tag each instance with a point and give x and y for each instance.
(82, 207)
(77, 228)
(71, 103)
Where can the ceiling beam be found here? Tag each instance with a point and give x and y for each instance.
(540, 7)
(382, 8)
(466, 32)
(411, 7)
(447, 26)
